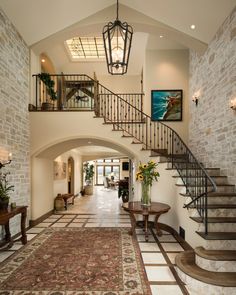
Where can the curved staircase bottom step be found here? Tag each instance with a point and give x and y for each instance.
(185, 262)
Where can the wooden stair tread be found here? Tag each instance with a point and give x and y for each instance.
(215, 219)
(226, 194)
(213, 194)
(185, 261)
(226, 184)
(192, 176)
(217, 255)
(218, 235)
(216, 206)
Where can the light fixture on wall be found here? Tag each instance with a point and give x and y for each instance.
(117, 38)
(233, 104)
(196, 97)
(3, 164)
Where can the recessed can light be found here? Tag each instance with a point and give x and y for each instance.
(193, 27)
(161, 36)
(43, 60)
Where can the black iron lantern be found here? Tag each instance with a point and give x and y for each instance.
(117, 37)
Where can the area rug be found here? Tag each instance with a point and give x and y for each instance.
(71, 261)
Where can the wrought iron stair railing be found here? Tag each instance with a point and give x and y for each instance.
(161, 140)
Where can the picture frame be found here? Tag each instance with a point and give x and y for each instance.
(166, 105)
(59, 170)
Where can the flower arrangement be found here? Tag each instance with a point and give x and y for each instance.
(147, 173)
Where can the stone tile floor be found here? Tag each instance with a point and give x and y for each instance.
(158, 254)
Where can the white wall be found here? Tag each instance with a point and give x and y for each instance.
(121, 84)
(42, 198)
(168, 69)
(61, 186)
(35, 68)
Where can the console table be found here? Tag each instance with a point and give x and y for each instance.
(6, 215)
(156, 209)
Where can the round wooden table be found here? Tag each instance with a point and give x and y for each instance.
(155, 209)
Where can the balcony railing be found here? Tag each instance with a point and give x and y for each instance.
(73, 93)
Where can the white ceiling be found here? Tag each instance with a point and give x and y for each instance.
(36, 20)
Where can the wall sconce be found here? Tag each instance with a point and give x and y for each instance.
(3, 164)
(233, 104)
(196, 97)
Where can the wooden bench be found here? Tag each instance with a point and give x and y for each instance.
(68, 199)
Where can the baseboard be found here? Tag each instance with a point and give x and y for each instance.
(40, 219)
(172, 231)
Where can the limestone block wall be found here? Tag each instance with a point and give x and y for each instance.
(212, 129)
(14, 118)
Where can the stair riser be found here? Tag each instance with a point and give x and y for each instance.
(219, 227)
(219, 266)
(221, 212)
(222, 189)
(193, 181)
(220, 244)
(198, 287)
(210, 172)
(221, 200)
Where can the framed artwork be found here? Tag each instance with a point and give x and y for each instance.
(166, 105)
(59, 170)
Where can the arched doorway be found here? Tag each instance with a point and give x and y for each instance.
(71, 174)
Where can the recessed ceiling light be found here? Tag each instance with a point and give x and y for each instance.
(161, 36)
(43, 60)
(193, 27)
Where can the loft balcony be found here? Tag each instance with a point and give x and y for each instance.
(75, 92)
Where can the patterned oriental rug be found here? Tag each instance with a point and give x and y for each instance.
(76, 261)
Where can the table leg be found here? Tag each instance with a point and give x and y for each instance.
(145, 219)
(159, 232)
(65, 201)
(23, 231)
(133, 224)
(8, 236)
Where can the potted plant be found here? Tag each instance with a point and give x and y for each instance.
(89, 172)
(49, 84)
(5, 190)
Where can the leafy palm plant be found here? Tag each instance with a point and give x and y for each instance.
(5, 188)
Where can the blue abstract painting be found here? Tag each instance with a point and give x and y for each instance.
(167, 105)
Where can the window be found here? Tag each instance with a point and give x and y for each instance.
(99, 175)
(85, 48)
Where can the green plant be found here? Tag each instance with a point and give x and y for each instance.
(89, 172)
(5, 188)
(49, 83)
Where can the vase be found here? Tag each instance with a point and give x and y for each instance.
(146, 194)
(4, 204)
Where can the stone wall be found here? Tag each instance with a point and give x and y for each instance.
(212, 129)
(14, 117)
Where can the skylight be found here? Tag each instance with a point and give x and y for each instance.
(85, 48)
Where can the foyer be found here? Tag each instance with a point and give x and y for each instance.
(184, 50)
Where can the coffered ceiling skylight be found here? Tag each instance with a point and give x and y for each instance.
(85, 48)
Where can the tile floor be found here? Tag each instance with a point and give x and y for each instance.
(158, 254)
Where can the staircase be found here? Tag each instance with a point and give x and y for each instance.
(215, 206)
